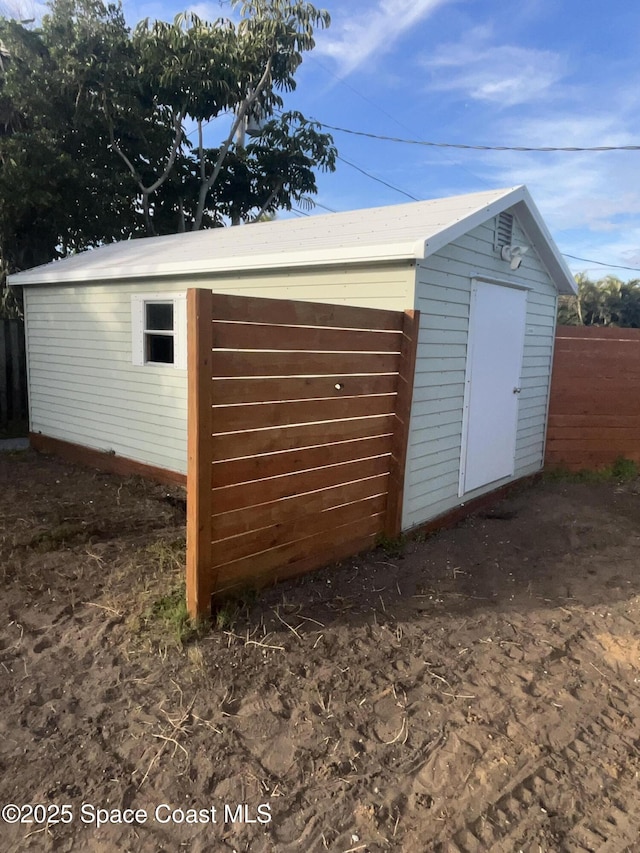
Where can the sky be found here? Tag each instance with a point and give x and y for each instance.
(537, 73)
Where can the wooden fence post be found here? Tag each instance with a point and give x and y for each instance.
(199, 493)
(13, 373)
(4, 391)
(410, 332)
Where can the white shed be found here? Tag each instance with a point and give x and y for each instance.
(106, 332)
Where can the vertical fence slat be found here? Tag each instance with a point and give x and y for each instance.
(13, 373)
(16, 374)
(4, 391)
(410, 329)
(200, 582)
(23, 400)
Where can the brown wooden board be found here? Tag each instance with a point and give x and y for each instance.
(229, 472)
(312, 546)
(232, 364)
(238, 444)
(599, 401)
(265, 390)
(602, 435)
(340, 550)
(596, 364)
(227, 524)
(616, 446)
(201, 581)
(590, 333)
(300, 527)
(597, 422)
(254, 336)
(104, 461)
(265, 415)
(245, 495)
(393, 519)
(290, 313)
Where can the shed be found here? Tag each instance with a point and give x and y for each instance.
(107, 332)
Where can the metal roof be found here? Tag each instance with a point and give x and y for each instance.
(405, 231)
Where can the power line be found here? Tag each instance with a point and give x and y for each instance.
(379, 180)
(377, 106)
(546, 148)
(601, 263)
(323, 206)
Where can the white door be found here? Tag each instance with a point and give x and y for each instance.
(494, 362)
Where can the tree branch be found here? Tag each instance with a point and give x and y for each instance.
(147, 191)
(177, 139)
(265, 206)
(246, 104)
(115, 147)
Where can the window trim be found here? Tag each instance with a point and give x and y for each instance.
(139, 330)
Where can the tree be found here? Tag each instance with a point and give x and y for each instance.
(94, 118)
(198, 71)
(607, 302)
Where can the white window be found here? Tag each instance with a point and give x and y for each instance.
(159, 328)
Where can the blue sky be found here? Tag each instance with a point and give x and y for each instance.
(535, 73)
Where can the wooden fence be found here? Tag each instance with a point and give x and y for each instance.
(298, 429)
(594, 409)
(13, 374)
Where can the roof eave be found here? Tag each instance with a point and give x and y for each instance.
(530, 218)
(404, 251)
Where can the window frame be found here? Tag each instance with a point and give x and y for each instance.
(139, 302)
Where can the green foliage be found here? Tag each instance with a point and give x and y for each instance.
(228, 611)
(393, 547)
(607, 302)
(226, 615)
(170, 615)
(93, 117)
(622, 470)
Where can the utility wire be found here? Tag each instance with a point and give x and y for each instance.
(601, 263)
(379, 180)
(380, 109)
(475, 147)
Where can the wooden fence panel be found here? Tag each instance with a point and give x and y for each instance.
(298, 428)
(594, 407)
(13, 374)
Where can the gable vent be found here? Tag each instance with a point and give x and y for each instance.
(504, 231)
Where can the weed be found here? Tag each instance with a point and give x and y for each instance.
(60, 535)
(226, 615)
(622, 469)
(171, 616)
(227, 611)
(393, 546)
(168, 554)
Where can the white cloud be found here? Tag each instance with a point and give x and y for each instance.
(506, 75)
(366, 33)
(207, 11)
(574, 189)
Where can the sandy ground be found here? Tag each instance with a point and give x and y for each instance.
(479, 691)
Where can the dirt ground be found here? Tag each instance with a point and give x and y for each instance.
(479, 691)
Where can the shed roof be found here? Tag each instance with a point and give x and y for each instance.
(395, 232)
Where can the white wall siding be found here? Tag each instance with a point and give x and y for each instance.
(443, 294)
(84, 388)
